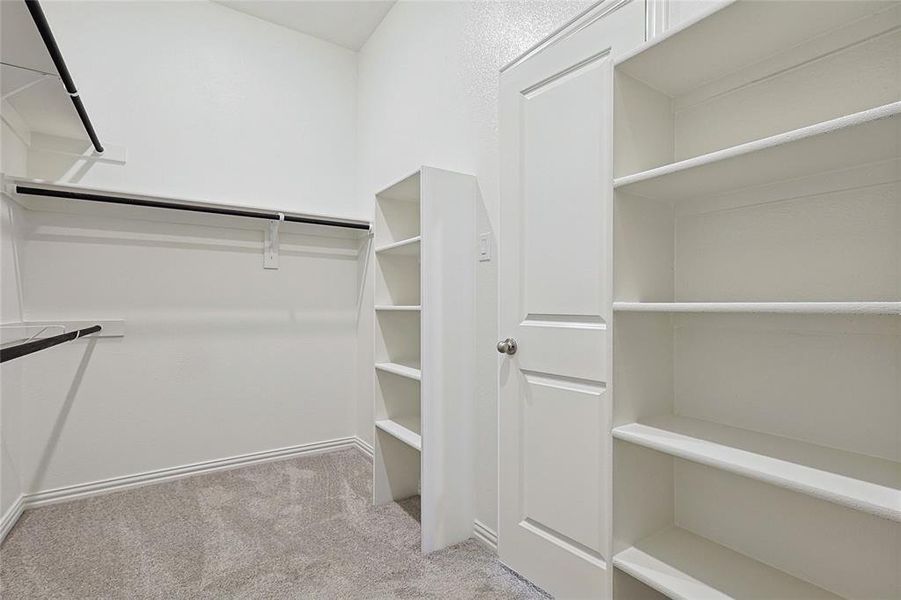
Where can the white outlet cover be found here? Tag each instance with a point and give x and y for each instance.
(485, 247)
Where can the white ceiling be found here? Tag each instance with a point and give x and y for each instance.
(348, 23)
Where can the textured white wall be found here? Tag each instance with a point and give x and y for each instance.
(220, 357)
(13, 157)
(211, 104)
(427, 94)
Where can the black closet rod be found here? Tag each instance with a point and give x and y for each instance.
(234, 212)
(37, 13)
(32, 347)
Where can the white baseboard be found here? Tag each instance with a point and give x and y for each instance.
(364, 446)
(115, 484)
(485, 534)
(11, 516)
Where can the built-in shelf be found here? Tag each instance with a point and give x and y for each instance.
(396, 308)
(814, 308)
(856, 481)
(687, 567)
(865, 137)
(745, 40)
(408, 247)
(408, 371)
(404, 429)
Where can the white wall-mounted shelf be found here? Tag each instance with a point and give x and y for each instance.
(813, 308)
(853, 480)
(403, 428)
(20, 331)
(30, 83)
(164, 215)
(864, 137)
(407, 247)
(398, 308)
(408, 371)
(685, 566)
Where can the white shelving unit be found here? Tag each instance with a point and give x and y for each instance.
(757, 305)
(425, 257)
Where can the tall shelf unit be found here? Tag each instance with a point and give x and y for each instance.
(424, 294)
(757, 283)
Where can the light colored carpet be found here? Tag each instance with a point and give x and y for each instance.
(299, 528)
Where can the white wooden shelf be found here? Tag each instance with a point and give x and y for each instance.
(398, 308)
(408, 247)
(688, 567)
(736, 39)
(408, 371)
(861, 138)
(856, 481)
(814, 308)
(404, 429)
(147, 213)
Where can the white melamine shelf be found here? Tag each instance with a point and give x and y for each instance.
(404, 429)
(688, 567)
(408, 247)
(737, 38)
(398, 308)
(856, 481)
(813, 308)
(149, 213)
(408, 371)
(861, 138)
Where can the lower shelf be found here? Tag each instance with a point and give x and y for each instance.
(404, 429)
(686, 566)
(859, 482)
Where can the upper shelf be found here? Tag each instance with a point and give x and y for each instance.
(407, 189)
(85, 200)
(721, 42)
(688, 567)
(865, 137)
(856, 481)
(803, 308)
(36, 83)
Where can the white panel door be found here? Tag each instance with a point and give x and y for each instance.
(555, 302)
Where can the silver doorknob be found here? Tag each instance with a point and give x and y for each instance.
(508, 346)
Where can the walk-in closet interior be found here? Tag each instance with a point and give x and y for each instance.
(471, 299)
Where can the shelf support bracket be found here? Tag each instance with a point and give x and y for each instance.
(270, 246)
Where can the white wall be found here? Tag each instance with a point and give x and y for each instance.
(211, 104)
(220, 357)
(427, 94)
(13, 157)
